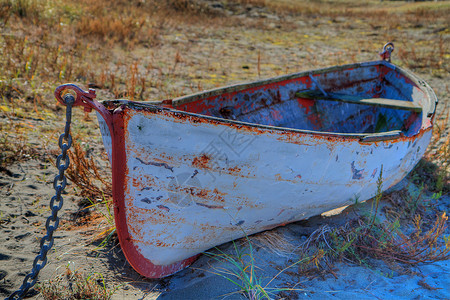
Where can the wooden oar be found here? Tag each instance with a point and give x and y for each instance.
(381, 102)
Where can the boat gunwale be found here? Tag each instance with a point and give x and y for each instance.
(154, 106)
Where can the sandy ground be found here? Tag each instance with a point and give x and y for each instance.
(26, 187)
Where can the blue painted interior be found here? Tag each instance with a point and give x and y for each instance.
(275, 104)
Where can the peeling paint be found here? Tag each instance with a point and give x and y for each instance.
(210, 206)
(374, 173)
(163, 207)
(157, 164)
(357, 174)
(185, 181)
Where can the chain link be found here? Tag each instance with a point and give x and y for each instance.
(56, 203)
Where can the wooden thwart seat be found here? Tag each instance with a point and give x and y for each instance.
(381, 102)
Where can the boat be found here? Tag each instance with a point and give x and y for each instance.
(197, 171)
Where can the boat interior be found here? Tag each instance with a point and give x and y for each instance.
(364, 100)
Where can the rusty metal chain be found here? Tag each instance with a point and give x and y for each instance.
(56, 203)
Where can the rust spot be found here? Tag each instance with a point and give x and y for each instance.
(201, 162)
(216, 191)
(167, 103)
(157, 164)
(143, 182)
(162, 244)
(209, 206)
(234, 169)
(202, 193)
(163, 207)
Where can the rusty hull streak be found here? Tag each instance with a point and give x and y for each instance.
(210, 206)
(158, 164)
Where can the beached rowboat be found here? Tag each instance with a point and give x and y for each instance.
(197, 171)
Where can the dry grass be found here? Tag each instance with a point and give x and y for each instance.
(385, 13)
(361, 241)
(273, 242)
(14, 149)
(412, 232)
(434, 57)
(92, 182)
(433, 171)
(358, 241)
(93, 185)
(14, 145)
(76, 285)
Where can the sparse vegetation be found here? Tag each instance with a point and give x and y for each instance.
(408, 234)
(13, 149)
(239, 267)
(75, 285)
(434, 170)
(358, 242)
(84, 172)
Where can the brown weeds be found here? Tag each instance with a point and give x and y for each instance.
(419, 239)
(75, 285)
(13, 148)
(404, 205)
(111, 29)
(86, 175)
(358, 241)
(5, 12)
(274, 242)
(428, 57)
(29, 10)
(433, 170)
